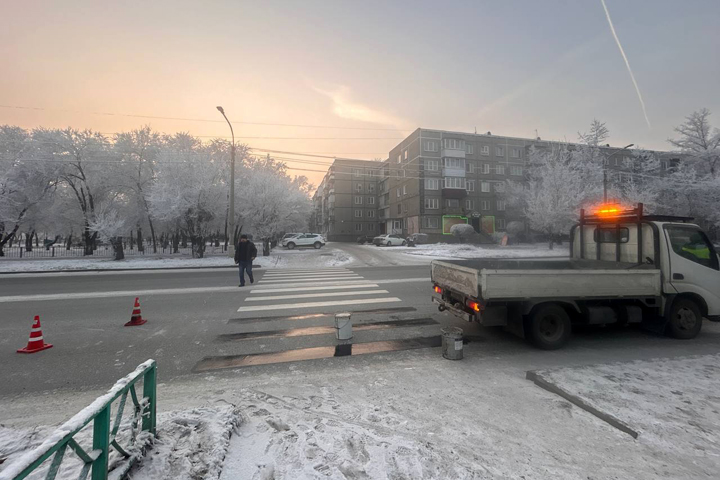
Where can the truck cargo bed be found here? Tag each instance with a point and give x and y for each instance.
(501, 279)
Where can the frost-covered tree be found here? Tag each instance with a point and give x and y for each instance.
(189, 191)
(26, 183)
(699, 141)
(271, 202)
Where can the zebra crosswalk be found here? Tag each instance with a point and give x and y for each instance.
(335, 287)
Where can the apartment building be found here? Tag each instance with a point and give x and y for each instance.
(432, 180)
(345, 205)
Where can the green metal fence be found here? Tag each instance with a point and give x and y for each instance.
(104, 434)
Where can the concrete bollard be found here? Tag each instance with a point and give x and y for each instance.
(343, 326)
(452, 343)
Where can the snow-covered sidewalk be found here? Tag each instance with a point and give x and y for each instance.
(279, 258)
(456, 250)
(415, 415)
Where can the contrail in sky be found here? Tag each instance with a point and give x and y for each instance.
(617, 40)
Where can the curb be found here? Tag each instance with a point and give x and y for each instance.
(122, 269)
(541, 382)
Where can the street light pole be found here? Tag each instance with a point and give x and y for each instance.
(605, 169)
(231, 248)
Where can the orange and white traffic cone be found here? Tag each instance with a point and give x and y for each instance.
(136, 317)
(36, 342)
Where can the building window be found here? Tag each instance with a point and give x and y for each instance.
(431, 222)
(485, 150)
(469, 205)
(358, 227)
(371, 188)
(500, 187)
(500, 169)
(431, 165)
(358, 213)
(485, 169)
(606, 161)
(398, 193)
(469, 148)
(358, 188)
(371, 200)
(515, 152)
(404, 189)
(499, 151)
(371, 227)
(470, 185)
(485, 204)
(403, 173)
(454, 182)
(399, 208)
(452, 203)
(454, 162)
(357, 172)
(432, 203)
(432, 184)
(405, 154)
(399, 159)
(617, 161)
(500, 204)
(454, 143)
(485, 187)
(358, 200)
(371, 213)
(469, 167)
(515, 170)
(396, 225)
(500, 223)
(431, 146)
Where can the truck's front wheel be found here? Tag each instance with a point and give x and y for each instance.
(548, 327)
(685, 319)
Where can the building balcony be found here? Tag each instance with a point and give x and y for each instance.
(453, 171)
(452, 152)
(454, 193)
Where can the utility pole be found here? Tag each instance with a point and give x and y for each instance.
(606, 160)
(231, 247)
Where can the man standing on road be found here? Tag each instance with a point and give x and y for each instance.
(245, 253)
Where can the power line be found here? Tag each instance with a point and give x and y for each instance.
(156, 117)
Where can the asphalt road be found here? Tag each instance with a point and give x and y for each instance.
(200, 321)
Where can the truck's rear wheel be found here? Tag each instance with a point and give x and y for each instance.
(548, 327)
(685, 319)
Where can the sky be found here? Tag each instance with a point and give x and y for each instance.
(374, 71)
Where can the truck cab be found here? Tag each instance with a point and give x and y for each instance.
(624, 267)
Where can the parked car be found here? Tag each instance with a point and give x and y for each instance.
(390, 240)
(287, 237)
(365, 239)
(305, 240)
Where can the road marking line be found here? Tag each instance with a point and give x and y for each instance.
(319, 274)
(119, 293)
(318, 282)
(402, 280)
(308, 270)
(318, 304)
(315, 295)
(312, 279)
(311, 288)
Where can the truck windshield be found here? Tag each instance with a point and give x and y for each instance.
(691, 243)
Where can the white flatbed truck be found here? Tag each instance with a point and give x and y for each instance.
(624, 267)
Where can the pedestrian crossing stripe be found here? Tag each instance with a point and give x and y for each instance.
(290, 306)
(316, 295)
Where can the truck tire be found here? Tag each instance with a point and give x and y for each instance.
(548, 327)
(685, 320)
(290, 245)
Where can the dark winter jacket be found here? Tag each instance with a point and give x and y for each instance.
(245, 252)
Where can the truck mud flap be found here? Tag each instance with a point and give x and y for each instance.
(455, 311)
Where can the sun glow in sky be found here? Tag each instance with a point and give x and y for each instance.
(376, 69)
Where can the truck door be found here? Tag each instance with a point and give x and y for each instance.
(694, 264)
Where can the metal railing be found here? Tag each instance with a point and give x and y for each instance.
(104, 434)
(100, 251)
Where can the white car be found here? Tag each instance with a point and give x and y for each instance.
(390, 240)
(305, 240)
(287, 237)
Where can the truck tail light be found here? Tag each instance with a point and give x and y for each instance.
(474, 305)
(437, 289)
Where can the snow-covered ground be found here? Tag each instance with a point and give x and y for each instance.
(279, 258)
(332, 255)
(673, 403)
(417, 415)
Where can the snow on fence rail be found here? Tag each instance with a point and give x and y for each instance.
(100, 251)
(97, 460)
